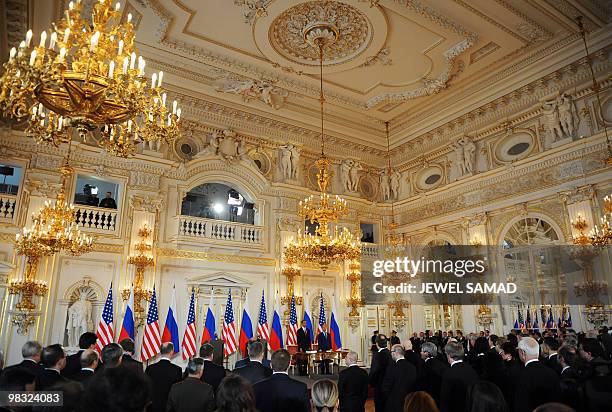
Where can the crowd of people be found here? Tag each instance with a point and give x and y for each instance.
(445, 371)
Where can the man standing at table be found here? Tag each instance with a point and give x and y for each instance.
(303, 341)
(324, 345)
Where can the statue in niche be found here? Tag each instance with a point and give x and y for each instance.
(345, 174)
(559, 117)
(385, 189)
(289, 159)
(354, 176)
(295, 159)
(79, 319)
(465, 155)
(394, 184)
(469, 155)
(566, 113)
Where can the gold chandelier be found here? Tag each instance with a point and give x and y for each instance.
(141, 261)
(602, 236)
(53, 229)
(87, 77)
(598, 236)
(326, 246)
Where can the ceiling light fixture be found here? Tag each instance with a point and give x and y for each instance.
(87, 77)
(327, 246)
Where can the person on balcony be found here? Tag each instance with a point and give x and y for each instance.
(108, 202)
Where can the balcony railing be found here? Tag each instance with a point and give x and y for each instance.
(370, 251)
(96, 219)
(8, 205)
(197, 228)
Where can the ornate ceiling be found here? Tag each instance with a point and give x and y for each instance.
(415, 63)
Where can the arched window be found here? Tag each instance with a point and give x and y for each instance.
(218, 201)
(529, 231)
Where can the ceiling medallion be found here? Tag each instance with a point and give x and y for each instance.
(345, 30)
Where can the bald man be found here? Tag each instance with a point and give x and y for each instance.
(537, 384)
(352, 385)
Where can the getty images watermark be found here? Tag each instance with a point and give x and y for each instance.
(413, 267)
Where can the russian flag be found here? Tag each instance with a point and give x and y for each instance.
(276, 334)
(127, 328)
(209, 325)
(334, 329)
(308, 321)
(171, 332)
(246, 327)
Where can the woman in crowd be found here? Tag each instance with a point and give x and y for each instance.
(420, 401)
(324, 396)
(235, 394)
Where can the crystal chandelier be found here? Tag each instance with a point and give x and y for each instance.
(86, 75)
(141, 261)
(326, 246)
(53, 229)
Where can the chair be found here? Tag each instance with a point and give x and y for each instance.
(292, 349)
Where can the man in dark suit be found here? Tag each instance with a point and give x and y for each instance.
(416, 342)
(163, 375)
(399, 380)
(192, 394)
(380, 361)
(54, 360)
(245, 361)
(213, 373)
(394, 340)
(254, 371)
(456, 380)
(431, 371)
(111, 357)
(352, 385)
(73, 362)
(280, 393)
(89, 362)
(567, 359)
(537, 384)
(324, 344)
(303, 341)
(549, 348)
(31, 352)
(129, 351)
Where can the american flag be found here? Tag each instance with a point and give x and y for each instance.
(105, 327)
(262, 325)
(229, 328)
(293, 327)
(151, 339)
(322, 317)
(189, 338)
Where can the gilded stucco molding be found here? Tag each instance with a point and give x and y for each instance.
(108, 248)
(214, 257)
